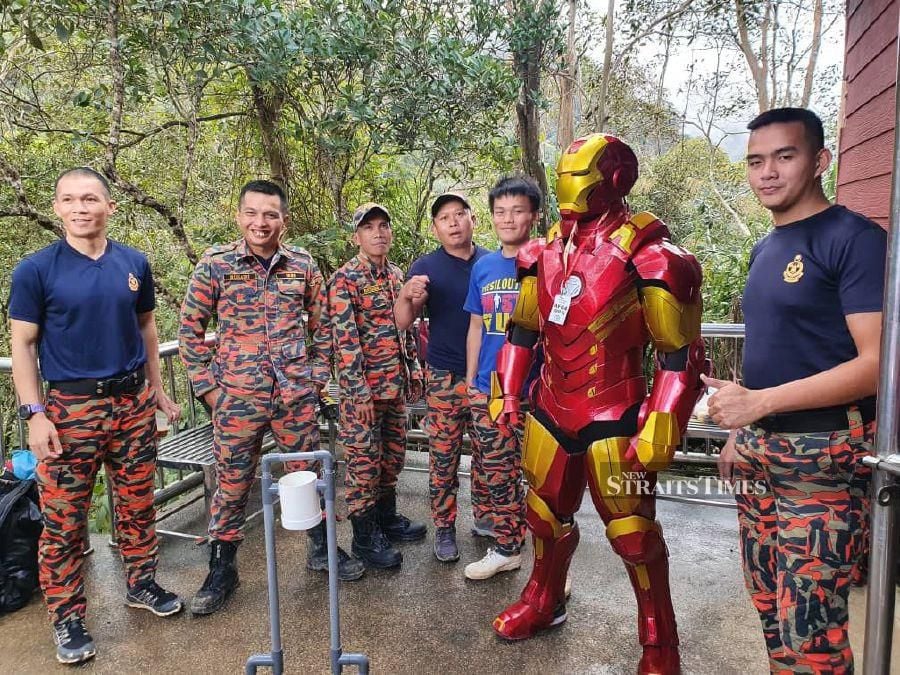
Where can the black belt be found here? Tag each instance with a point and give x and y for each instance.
(816, 421)
(129, 383)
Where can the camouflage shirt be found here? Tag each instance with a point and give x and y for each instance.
(372, 357)
(260, 322)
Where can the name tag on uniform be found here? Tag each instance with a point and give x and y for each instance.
(371, 290)
(560, 309)
(244, 276)
(288, 275)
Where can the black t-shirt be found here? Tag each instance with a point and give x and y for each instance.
(805, 278)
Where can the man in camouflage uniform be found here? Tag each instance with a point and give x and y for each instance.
(377, 370)
(259, 377)
(805, 416)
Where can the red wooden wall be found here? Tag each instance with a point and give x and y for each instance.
(867, 129)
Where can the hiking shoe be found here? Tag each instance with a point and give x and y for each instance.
(483, 527)
(73, 643)
(445, 548)
(493, 562)
(151, 596)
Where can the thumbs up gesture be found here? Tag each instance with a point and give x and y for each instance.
(734, 406)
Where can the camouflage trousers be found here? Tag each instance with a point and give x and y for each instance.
(374, 454)
(448, 414)
(118, 432)
(497, 453)
(803, 525)
(238, 427)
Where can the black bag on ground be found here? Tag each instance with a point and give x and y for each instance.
(20, 528)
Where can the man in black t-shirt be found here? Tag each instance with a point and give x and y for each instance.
(806, 413)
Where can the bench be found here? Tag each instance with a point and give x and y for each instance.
(192, 449)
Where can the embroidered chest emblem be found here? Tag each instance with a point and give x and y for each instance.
(372, 289)
(133, 283)
(794, 270)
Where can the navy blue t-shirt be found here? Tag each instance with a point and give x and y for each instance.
(805, 278)
(448, 322)
(87, 309)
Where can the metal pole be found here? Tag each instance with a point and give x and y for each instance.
(880, 595)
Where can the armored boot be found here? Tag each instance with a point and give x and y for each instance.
(369, 543)
(396, 526)
(221, 580)
(543, 601)
(640, 544)
(349, 569)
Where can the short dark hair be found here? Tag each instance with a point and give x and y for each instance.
(84, 171)
(265, 187)
(516, 186)
(812, 125)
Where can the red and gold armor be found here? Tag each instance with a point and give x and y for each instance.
(596, 296)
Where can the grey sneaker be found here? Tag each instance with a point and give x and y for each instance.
(483, 528)
(445, 548)
(151, 596)
(73, 643)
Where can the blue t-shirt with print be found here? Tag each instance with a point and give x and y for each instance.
(805, 278)
(87, 309)
(493, 292)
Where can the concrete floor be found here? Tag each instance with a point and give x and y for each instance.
(424, 618)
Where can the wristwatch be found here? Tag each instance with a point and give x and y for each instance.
(29, 409)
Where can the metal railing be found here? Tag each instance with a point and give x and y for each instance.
(724, 345)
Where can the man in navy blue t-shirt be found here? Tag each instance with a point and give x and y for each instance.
(85, 304)
(805, 416)
(438, 282)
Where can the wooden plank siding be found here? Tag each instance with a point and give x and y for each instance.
(867, 128)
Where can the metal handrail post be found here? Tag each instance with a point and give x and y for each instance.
(880, 595)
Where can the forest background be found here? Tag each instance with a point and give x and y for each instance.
(179, 102)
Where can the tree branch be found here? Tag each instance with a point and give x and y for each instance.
(25, 208)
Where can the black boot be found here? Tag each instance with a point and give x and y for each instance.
(369, 543)
(396, 526)
(221, 580)
(349, 569)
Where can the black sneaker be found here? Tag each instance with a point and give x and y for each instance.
(150, 596)
(73, 643)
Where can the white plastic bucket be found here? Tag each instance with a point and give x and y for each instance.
(300, 509)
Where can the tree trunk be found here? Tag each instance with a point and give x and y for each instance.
(567, 80)
(268, 114)
(813, 54)
(606, 74)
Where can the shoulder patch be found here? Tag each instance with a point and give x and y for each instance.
(220, 249)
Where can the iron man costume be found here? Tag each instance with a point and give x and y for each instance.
(596, 296)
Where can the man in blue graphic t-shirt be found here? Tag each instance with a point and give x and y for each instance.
(805, 416)
(515, 205)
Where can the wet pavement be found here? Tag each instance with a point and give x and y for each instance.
(424, 618)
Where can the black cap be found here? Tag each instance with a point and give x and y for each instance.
(448, 197)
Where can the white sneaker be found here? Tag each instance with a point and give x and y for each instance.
(491, 563)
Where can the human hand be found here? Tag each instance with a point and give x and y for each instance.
(416, 289)
(366, 412)
(169, 408)
(210, 398)
(727, 457)
(734, 406)
(43, 439)
(416, 390)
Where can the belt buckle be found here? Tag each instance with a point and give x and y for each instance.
(102, 388)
